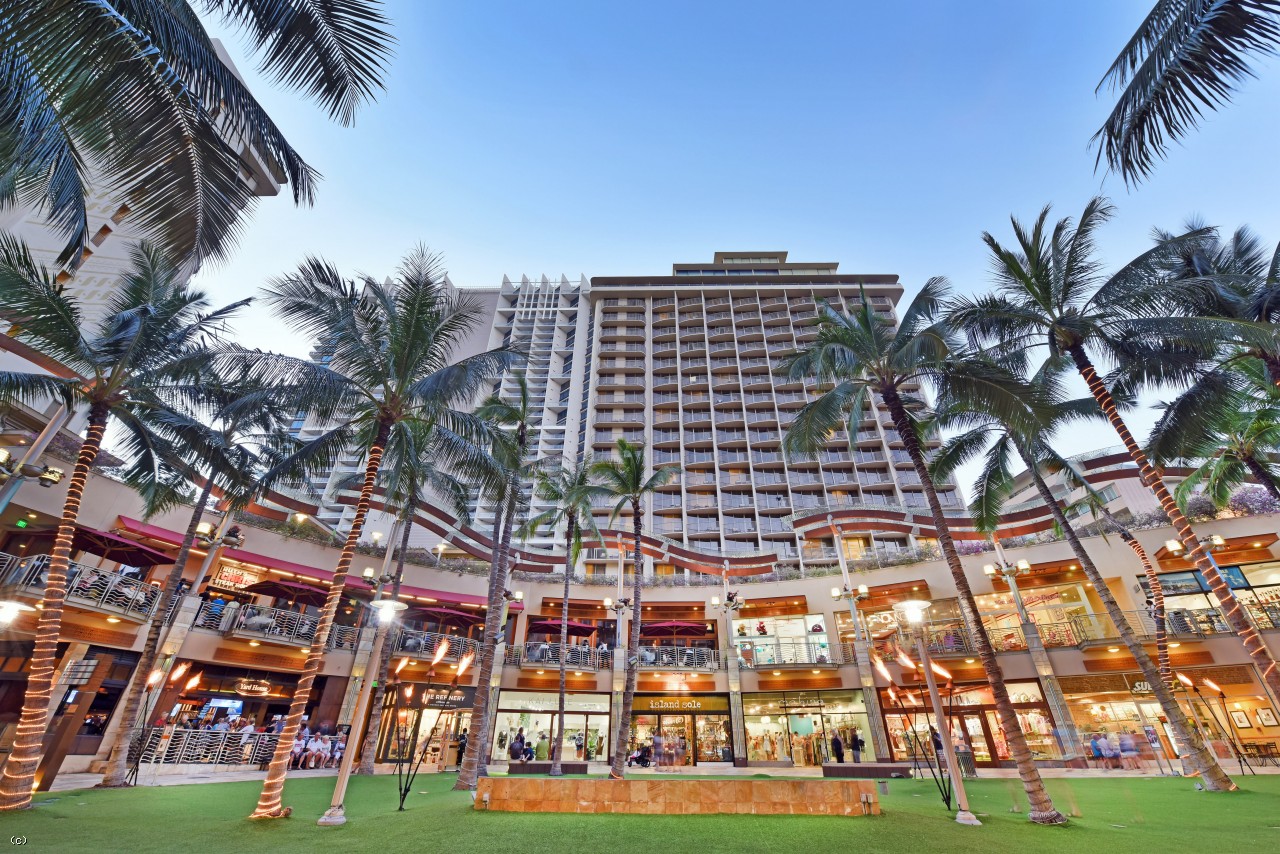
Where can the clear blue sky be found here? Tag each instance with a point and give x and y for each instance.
(602, 139)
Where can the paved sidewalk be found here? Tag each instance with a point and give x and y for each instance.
(67, 782)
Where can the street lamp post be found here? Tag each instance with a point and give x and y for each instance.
(1065, 731)
(913, 610)
(729, 605)
(386, 610)
(619, 607)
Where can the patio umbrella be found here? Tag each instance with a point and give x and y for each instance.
(552, 627)
(291, 590)
(448, 615)
(673, 629)
(111, 547)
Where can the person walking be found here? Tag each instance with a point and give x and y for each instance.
(857, 745)
(462, 746)
(837, 747)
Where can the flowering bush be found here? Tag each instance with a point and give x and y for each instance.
(1200, 508)
(1252, 501)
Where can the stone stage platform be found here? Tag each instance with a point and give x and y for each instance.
(679, 797)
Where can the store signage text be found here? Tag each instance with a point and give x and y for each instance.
(681, 704)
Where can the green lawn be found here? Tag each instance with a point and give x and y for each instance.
(1115, 816)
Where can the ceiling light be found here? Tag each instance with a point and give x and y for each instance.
(540, 672)
(33, 516)
(113, 619)
(1255, 545)
(777, 673)
(1113, 649)
(254, 643)
(968, 661)
(1175, 644)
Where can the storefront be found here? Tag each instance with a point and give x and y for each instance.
(794, 728)
(533, 714)
(1119, 704)
(1060, 612)
(422, 722)
(683, 730)
(772, 641)
(971, 712)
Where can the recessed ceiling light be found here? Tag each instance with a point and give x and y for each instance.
(254, 643)
(1113, 649)
(817, 671)
(31, 515)
(540, 672)
(777, 673)
(1255, 545)
(1175, 644)
(113, 619)
(968, 661)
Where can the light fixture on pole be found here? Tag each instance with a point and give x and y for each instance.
(912, 611)
(1213, 541)
(386, 609)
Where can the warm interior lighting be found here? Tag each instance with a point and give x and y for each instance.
(1113, 649)
(254, 643)
(968, 661)
(10, 610)
(1174, 644)
(113, 619)
(913, 610)
(777, 673)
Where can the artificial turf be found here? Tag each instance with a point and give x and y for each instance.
(1116, 815)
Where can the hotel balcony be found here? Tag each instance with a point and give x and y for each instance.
(91, 588)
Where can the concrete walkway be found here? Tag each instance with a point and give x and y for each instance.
(66, 782)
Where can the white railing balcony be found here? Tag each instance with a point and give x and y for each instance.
(273, 624)
(679, 658)
(423, 645)
(202, 747)
(539, 654)
(87, 586)
(769, 652)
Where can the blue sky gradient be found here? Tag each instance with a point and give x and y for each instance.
(611, 139)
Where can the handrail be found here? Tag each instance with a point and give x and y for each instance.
(423, 645)
(98, 588)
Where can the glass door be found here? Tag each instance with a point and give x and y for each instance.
(970, 726)
(714, 743)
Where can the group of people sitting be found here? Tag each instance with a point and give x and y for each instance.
(317, 750)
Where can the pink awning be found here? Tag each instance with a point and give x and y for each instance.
(287, 568)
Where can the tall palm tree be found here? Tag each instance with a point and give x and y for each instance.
(510, 450)
(859, 353)
(997, 443)
(154, 335)
(1050, 292)
(409, 478)
(223, 434)
(1186, 56)
(626, 479)
(1228, 423)
(571, 491)
(389, 370)
(134, 98)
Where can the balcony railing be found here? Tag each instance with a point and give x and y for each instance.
(679, 658)
(543, 655)
(768, 652)
(424, 645)
(99, 589)
(274, 624)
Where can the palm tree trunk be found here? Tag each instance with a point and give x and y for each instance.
(623, 739)
(1042, 809)
(1262, 476)
(1198, 753)
(368, 750)
(20, 770)
(117, 773)
(1157, 597)
(1232, 611)
(558, 742)
(473, 765)
(269, 801)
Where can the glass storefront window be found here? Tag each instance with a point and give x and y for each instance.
(533, 714)
(782, 640)
(796, 727)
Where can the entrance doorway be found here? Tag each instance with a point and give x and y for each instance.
(681, 741)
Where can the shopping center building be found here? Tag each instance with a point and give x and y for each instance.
(764, 677)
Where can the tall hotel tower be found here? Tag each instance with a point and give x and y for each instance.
(687, 364)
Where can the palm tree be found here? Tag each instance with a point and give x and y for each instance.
(134, 98)
(858, 354)
(224, 435)
(998, 443)
(510, 451)
(625, 480)
(1187, 56)
(389, 371)
(409, 478)
(1050, 292)
(571, 492)
(154, 335)
(1228, 422)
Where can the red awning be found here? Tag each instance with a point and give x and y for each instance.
(108, 545)
(287, 568)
